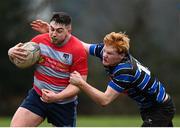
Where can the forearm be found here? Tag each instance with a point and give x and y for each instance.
(70, 91)
(97, 96)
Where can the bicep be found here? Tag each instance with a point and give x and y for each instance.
(86, 46)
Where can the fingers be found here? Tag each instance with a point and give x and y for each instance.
(75, 78)
(38, 23)
(47, 96)
(42, 99)
(44, 96)
(20, 59)
(19, 44)
(40, 26)
(19, 47)
(45, 91)
(18, 53)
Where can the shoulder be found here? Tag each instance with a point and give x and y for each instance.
(76, 44)
(123, 68)
(76, 47)
(41, 37)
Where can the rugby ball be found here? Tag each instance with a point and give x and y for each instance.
(33, 55)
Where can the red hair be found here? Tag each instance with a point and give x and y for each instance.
(118, 40)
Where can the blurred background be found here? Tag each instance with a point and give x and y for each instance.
(152, 25)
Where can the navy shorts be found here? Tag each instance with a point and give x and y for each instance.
(60, 115)
(159, 115)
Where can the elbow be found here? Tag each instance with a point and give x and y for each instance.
(104, 103)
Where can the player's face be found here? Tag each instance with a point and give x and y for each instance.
(111, 57)
(58, 32)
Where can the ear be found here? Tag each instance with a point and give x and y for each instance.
(122, 55)
(69, 28)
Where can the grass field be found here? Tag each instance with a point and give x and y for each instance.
(100, 121)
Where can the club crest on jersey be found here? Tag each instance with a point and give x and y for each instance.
(66, 58)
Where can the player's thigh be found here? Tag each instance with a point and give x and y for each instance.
(25, 118)
(62, 115)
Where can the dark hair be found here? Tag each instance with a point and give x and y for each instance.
(61, 18)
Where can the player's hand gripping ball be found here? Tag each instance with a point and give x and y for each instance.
(33, 55)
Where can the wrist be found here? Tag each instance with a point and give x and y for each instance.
(82, 83)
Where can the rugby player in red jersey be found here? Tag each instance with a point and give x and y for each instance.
(52, 96)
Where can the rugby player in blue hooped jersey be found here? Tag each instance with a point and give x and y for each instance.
(128, 76)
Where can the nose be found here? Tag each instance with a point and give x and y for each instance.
(104, 54)
(54, 33)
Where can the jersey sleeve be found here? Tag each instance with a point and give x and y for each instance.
(123, 76)
(80, 62)
(39, 38)
(116, 86)
(35, 39)
(96, 50)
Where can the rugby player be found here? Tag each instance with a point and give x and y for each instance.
(52, 96)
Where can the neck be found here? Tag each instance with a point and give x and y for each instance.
(65, 41)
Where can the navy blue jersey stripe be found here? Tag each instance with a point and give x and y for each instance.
(92, 49)
(153, 88)
(96, 50)
(145, 81)
(125, 85)
(137, 75)
(140, 79)
(161, 93)
(124, 78)
(122, 66)
(115, 86)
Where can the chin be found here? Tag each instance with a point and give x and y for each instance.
(105, 64)
(54, 42)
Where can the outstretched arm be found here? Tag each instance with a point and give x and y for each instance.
(86, 46)
(101, 98)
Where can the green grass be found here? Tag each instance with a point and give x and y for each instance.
(100, 121)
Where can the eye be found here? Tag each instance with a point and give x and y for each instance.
(109, 53)
(59, 30)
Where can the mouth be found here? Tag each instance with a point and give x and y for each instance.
(105, 60)
(54, 39)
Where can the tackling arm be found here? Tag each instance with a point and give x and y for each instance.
(70, 91)
(101, 98)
